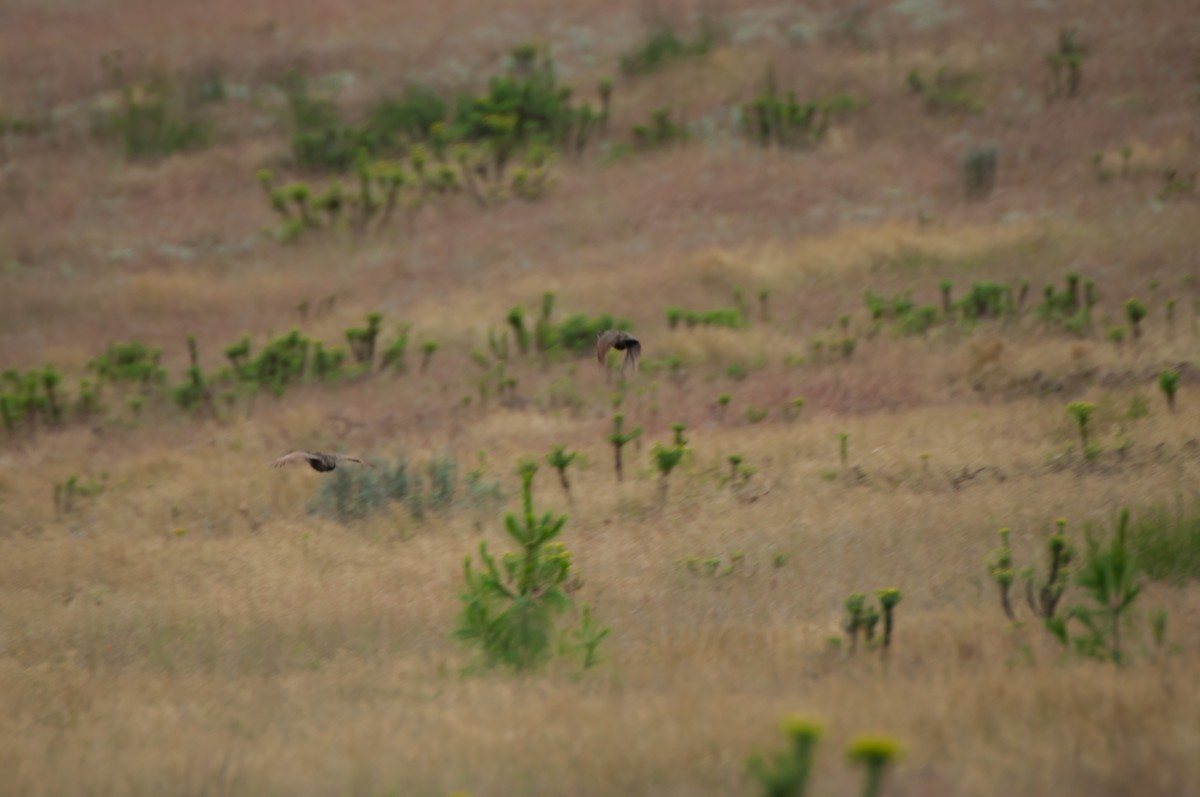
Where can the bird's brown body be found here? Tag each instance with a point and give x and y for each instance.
(621, 341)
(320, 462)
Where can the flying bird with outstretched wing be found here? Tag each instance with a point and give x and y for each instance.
(320, 462)
(621, 341)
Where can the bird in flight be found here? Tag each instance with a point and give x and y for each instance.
(621, 341)
(322, 463)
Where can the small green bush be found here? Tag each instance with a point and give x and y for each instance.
(510, 607)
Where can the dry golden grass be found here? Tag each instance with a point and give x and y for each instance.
(192, 629)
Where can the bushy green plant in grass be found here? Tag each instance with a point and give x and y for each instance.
(659, 132)
(1168, 382)
(919, 320)
(510, 607)
(947, 92)
(863, 618)
(560, 459)
(428, 349)
(130, 363)
(1110, 576)
(394, 353)
(1081, 412)
(413, 117)
(787, 775)
(516, 320)
(774, 119)
(1135, 311)
(619, 439)
(667, 458)
(32, 397)
(1043, 601)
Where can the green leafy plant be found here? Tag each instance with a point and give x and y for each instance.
(1135, 311)
(864, 618)
(510, 607)
(788, 773)
(1110, 577)
(666, 459)
(560, 459)
(775, 119)
(1081, 412)
(620, 439)
(1168, 382)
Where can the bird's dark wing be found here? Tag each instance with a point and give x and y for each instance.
(632, 352)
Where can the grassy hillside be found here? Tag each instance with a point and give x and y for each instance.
(831, 285)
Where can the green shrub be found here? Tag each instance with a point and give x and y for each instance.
(1168, 382)
(510, 608)
(1110, 577)
(131, 362)
(661, 131)
(772, 119)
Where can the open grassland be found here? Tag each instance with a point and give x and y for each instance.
(182, 619)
